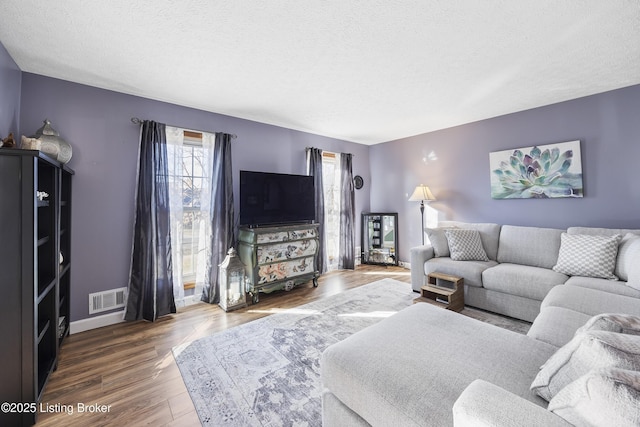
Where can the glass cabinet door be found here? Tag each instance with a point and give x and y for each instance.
(379, 238)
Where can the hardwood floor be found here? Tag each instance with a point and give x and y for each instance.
(128, 369)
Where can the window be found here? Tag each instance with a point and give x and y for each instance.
(331, 189)
(189, 156)
(191, 178)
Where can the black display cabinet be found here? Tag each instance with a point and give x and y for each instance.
(379, 238)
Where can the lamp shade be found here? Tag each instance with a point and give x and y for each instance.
(422, 192)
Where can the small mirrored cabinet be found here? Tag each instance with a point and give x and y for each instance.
(379, 238)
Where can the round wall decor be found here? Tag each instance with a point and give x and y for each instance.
(358, 182)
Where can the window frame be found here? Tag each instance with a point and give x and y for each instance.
(332, 227)
(191, 139)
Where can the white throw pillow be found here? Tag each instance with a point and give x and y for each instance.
(622, 323)
(625, 256)
(465, 245)
(633, 269)
(588, 256)
(586, 351)
(438, 241)
(604, 397)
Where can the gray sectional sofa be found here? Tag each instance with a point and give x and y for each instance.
(519, 273)
(429, 366)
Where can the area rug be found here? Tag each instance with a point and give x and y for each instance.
(267, 372)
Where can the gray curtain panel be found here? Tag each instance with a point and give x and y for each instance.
(221, 215)
(346, 256)
(151, 278)
(314, 167)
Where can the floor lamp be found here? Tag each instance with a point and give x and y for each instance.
(422, 193)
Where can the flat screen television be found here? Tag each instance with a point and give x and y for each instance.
(275, 198)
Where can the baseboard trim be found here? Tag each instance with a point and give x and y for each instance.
(116, 317)
(96, 322)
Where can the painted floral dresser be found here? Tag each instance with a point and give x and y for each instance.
(278, 257)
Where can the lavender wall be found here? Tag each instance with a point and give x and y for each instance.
(455, 164)
(10, 82)
(105, 145)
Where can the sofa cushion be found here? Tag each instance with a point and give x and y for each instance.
(557, 325)
(586, 351)
(628, 254)
(621, 323)
(587, 255)
(485, 404)
(489, 234)
(409, 369)
(634, 278)
(603, 397)
(499, 302)
(606, 285)
(470, 271)
(595, 231)
(465, 245)
(534, 246)
(521, 280)
(335, 413)
(590, 301)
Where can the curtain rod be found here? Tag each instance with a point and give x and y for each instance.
(138, 121)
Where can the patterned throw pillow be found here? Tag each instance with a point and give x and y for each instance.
(602, 397)
(587, 255)
(586, 351)
(622, 323)
(465, 245)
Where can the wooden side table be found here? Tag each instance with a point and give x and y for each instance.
(444, 291)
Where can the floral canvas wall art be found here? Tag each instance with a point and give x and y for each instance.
(538, 172)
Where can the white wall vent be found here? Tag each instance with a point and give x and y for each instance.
(107, 300)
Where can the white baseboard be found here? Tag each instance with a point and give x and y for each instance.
(116, 317)
(96, 322)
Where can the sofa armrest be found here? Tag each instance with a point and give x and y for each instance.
(485, 404)
(419, 255)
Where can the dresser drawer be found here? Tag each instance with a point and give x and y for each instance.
(285, 270)
(274, 235)
(286, 250)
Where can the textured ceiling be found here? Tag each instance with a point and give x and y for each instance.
(366, 71)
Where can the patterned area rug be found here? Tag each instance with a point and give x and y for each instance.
(266, 372)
